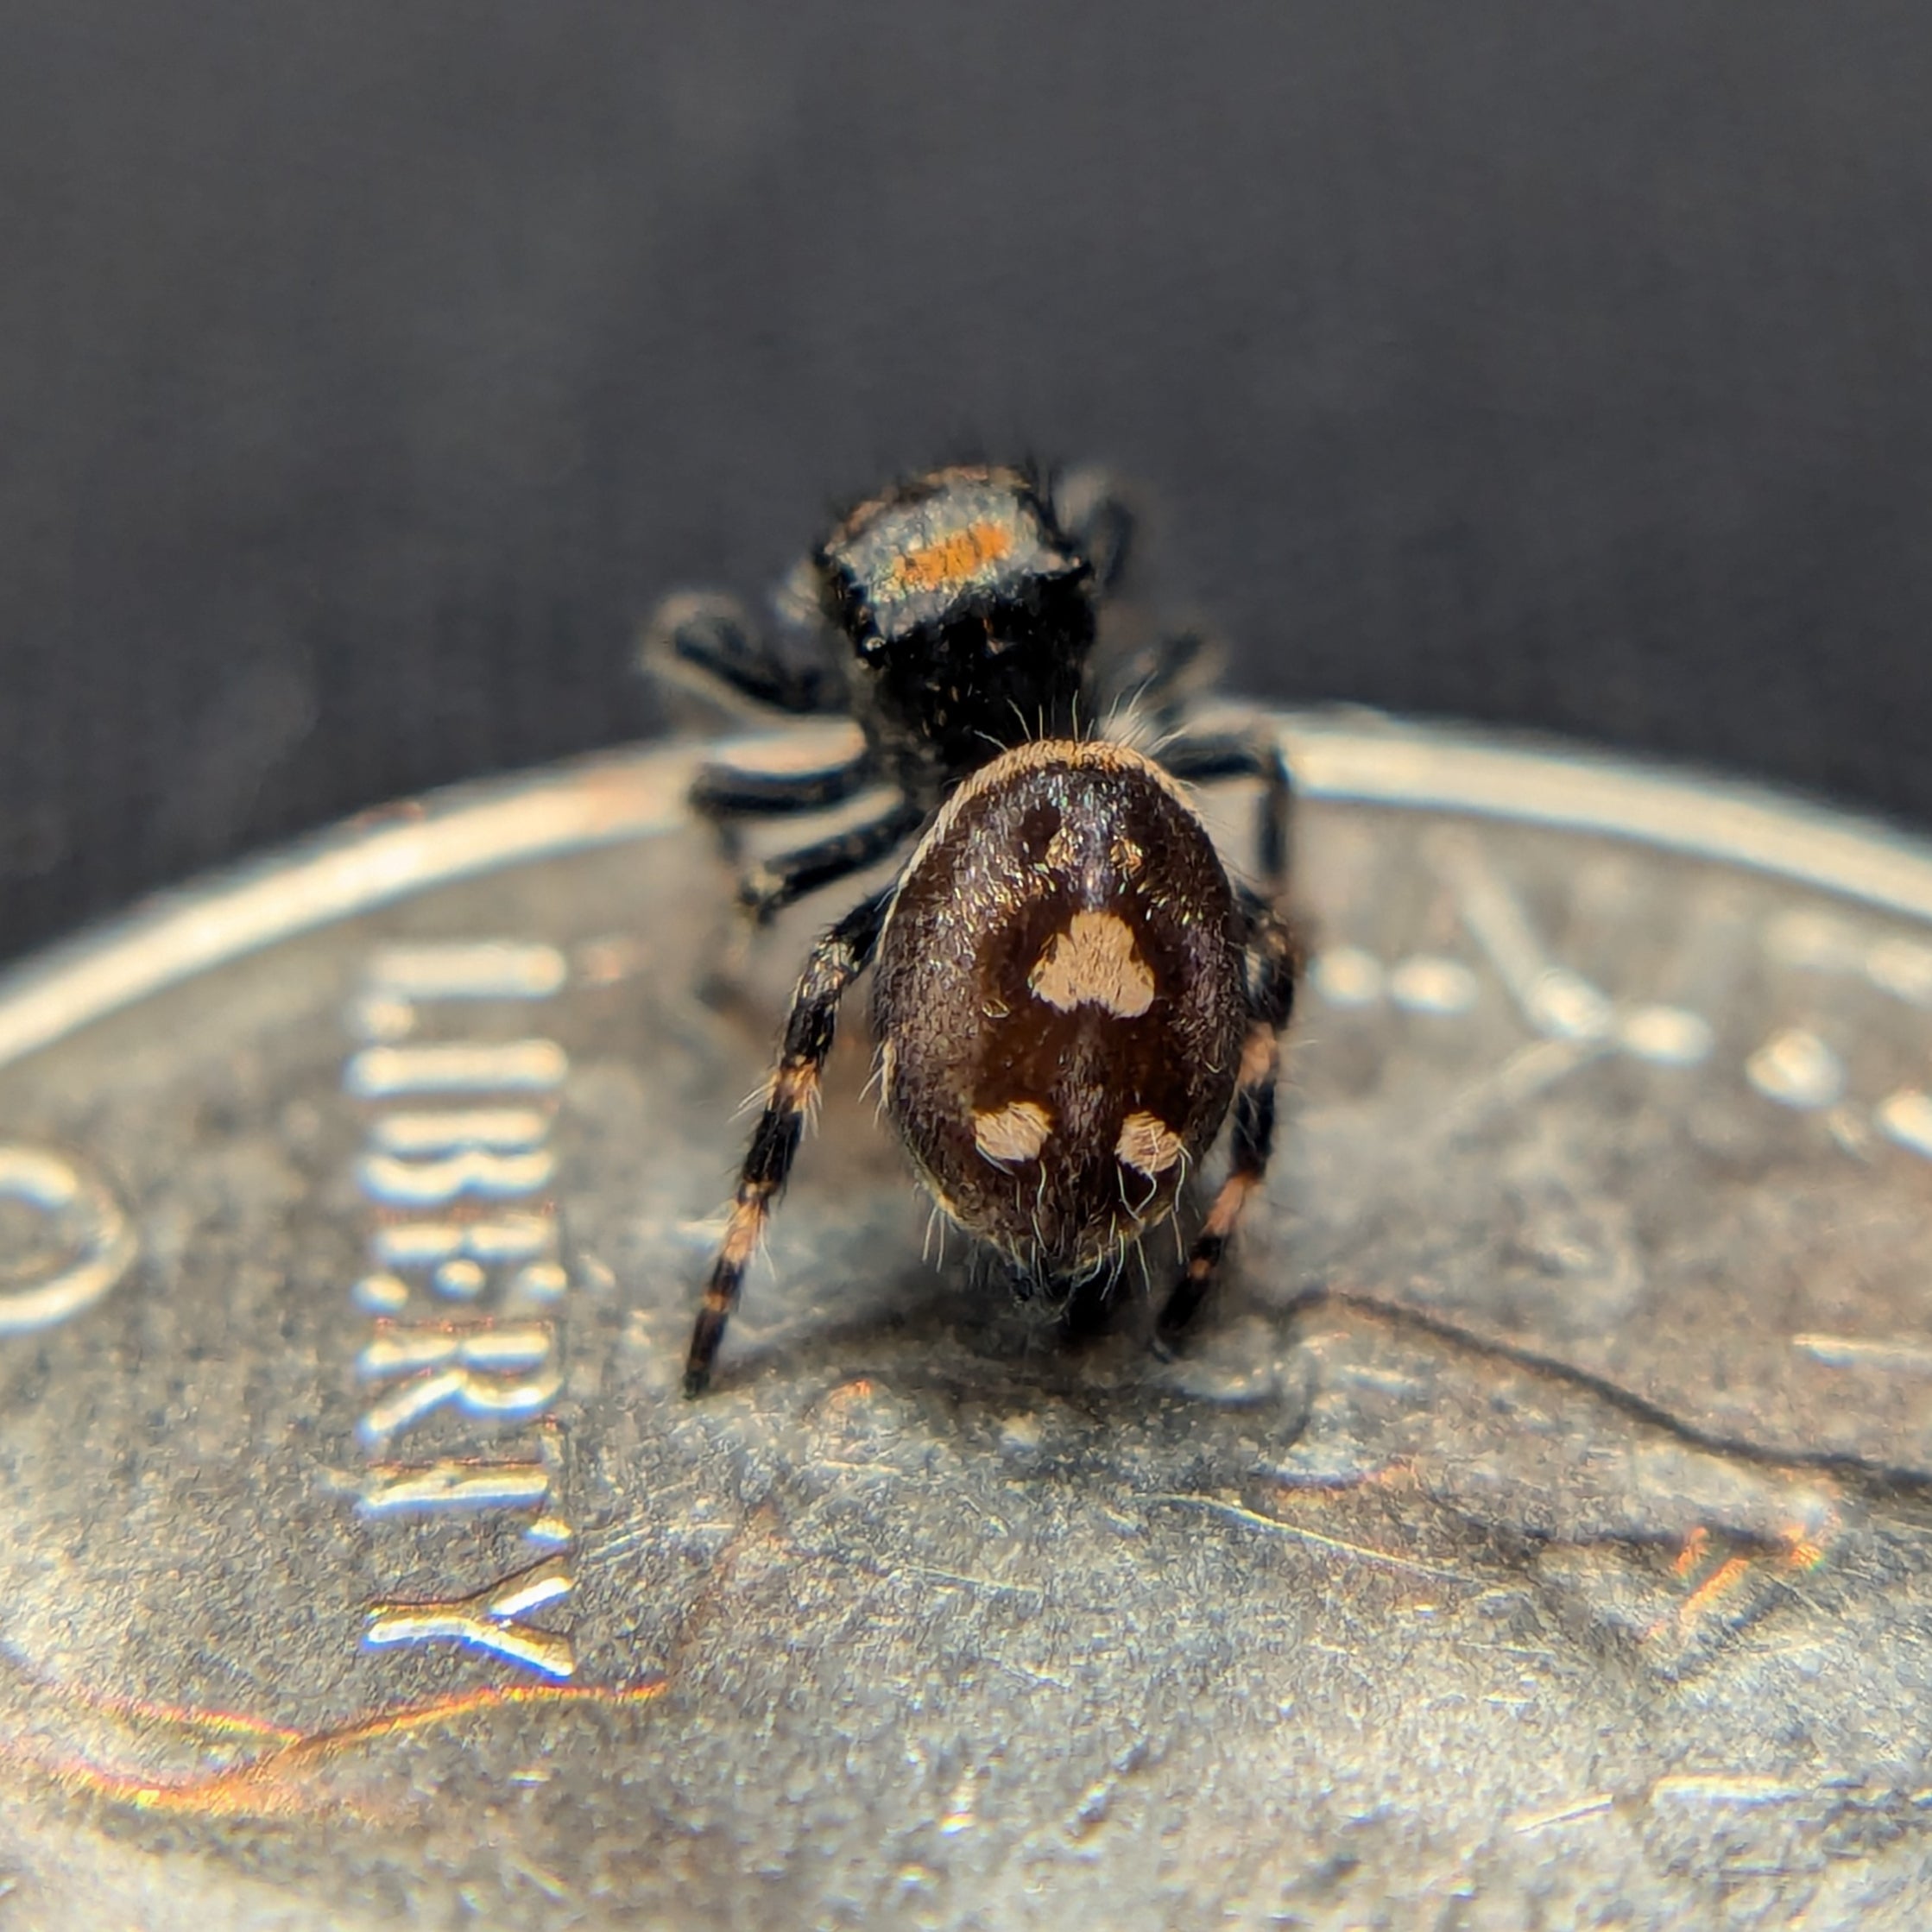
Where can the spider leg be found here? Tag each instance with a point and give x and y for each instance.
(1159, 680)
(839, 959)
(768, 887)
(1088, 506)
(1271, 965)
(725, 792)
(700, 638)
(1206, 756)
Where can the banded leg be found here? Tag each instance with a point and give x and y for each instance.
(836, 962)
(1271, 968)
(1210, 756)
(726, 791)
(712, 643)
(774, 884)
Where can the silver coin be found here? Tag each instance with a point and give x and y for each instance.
(1536, 1532)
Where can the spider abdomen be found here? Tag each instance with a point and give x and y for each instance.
(1071, 994)
(1059, 1003)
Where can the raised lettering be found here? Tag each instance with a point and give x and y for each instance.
(488, 1619)
(499, 1372)
(91, 1247)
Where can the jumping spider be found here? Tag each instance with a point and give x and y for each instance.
(1071, 989)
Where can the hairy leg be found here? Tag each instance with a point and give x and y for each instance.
(711, 641)
(839, 959)
(727, 792)
(1088, 506)
(774, 884)
(1159, 680)
(1205, 757)
(1272, 965)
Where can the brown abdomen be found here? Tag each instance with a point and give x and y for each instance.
(1058, 999)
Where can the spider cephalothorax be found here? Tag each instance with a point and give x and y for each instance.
(970, 614)
(1072, 990)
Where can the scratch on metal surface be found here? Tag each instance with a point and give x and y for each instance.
(1239, 1512)
(1845, 1351)
(1805, 1548)
(266, 1785)
(764, 1528)
(209, 1724)
(1708, 1594)
(1034, 1679)
(971, 1582)
(1745, 1788)
(1714, 1590)
(1593, 1806)
(546, 1882)
(1692, 1554)
(1528, 1071)
(903, 1566)
(1801, 1547)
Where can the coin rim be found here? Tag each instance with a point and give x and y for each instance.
(607, 799)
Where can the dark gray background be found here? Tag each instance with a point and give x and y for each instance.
(366, 370)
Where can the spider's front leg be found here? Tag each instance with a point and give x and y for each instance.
(770, 887)
(725, 793)
(710, 643)
(1272, 963)
(1092, 508)
(1158, 684)
(839, 959)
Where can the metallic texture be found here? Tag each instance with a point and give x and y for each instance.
(1537, 1527)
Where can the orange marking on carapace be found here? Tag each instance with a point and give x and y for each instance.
(262, 1786)
(952, 560)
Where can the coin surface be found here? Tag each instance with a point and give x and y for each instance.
(1538, 1530)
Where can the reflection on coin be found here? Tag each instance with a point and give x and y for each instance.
(1536, 1530)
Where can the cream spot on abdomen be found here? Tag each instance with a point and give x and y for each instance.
(1147, 1145)
(1015, 1132)
(1094, 962)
